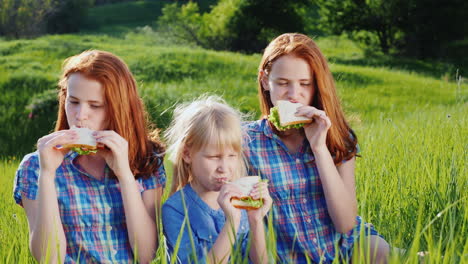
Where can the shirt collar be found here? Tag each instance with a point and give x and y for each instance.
(305, 151)
(267, 129)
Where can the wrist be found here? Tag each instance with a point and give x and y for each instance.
(46, 174)
(125, 176)
(235, 219)
(255, 221)
(127, 180)
(320, 150)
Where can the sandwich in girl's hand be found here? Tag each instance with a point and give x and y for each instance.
(246, 185)
(283, 117)
(86, 144)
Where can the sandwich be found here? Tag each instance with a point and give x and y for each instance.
(246, 201)
(86, 144)
(283, 118)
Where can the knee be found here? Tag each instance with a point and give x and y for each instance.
(380, 250)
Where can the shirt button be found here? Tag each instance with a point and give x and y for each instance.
(108, 228)
(304, 200)
(308, 220)
(298, 160)
(315, 240)
(210, 237)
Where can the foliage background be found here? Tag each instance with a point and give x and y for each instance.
(410, 114)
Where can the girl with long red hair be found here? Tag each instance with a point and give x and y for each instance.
(94, 208)
(311, 169)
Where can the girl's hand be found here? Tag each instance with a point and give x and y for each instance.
(260, 191)
(316, 132)
(224, 200)
(50, 153)
(116, 153)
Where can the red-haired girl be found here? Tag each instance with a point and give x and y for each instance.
(311, 169)
(94, 208)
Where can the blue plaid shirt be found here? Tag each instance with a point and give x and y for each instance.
(91, 210)
(300, 215)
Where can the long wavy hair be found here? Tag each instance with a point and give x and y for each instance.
(341, 140)
(125, 109)
(208, 120)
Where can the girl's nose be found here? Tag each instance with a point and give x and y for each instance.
(293, 90)
(222, 165)
(81, 113)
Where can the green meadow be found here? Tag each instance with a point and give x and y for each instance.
(411, 119)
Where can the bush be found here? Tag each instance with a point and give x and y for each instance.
(23, 18)
(238, 25)
(67, 15)
(30, 18)
(18, 124)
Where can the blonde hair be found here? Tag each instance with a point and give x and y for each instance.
(207, 120)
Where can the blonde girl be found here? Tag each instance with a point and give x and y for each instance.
(205, 142)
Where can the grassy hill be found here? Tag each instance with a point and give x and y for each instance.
(411, 118)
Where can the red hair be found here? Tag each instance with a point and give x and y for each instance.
(125, 109)
(341, 140)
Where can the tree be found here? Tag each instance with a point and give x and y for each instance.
(22, 18)
(239, 25)
(419, 28)
(67, 15)
(258, 22)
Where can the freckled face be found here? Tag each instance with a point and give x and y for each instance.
(85, 104)
(290, 79)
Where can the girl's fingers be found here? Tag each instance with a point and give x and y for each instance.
(113, 143)
(56, 139)
(309, 112)
(260, 190)
(108, 134)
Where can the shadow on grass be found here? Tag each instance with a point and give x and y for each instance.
(435, 69)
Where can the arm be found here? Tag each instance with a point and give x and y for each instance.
(47, 240)
(140, 216)
(46, 235)
(258, 250)
(221, 249)
(339, 187)
(337, 182)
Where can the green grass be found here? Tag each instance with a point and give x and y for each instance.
(410, 116)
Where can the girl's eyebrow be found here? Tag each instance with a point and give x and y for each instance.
(286, 79)
(91, 101)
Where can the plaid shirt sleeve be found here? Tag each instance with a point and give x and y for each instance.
(158, 179)
(26, 179)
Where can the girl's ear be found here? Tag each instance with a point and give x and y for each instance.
(264, 80)
(186, 155)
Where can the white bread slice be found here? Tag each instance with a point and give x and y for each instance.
(286, 111)
(246, 185)
(85, 139)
